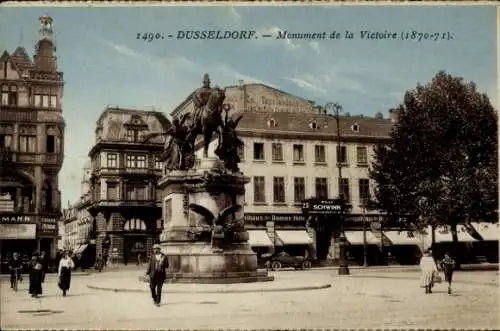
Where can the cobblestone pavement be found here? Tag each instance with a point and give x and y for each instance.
(375, 299)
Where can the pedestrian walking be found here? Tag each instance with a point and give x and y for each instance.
(15, 266)
(44, 261)
(99, 263)
(139, 259)
(429, 270)
(448, 266)
(36, 276)
(64, 272)
(105, 257)
(156, 273)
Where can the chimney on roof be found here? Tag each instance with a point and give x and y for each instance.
(394, 115)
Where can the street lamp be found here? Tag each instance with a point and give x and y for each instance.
(365, 252)
(336, 108)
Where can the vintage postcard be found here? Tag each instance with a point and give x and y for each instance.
(248, 166)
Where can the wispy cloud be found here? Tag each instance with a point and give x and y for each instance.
(315, 46)
(274, 31)
(232, 76)
(233, 13)
(307, 83)
(168, 63)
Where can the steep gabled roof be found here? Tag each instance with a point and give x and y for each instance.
(5, 55)
(21, 58)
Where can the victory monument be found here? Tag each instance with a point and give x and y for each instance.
(204, 234)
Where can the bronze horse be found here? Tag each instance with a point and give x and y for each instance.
(208, 119)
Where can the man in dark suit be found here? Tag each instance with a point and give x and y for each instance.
(156, 273)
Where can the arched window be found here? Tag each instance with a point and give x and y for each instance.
(134, 224)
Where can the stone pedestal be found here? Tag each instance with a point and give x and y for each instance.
(195, 255)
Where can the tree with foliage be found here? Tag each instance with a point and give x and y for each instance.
(379, 115)
(441, 164)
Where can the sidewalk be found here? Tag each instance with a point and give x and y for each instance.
(132, 281)
(50, 275)
(121, 268)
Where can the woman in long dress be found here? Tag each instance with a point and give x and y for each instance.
(429, 270)
(64, 272)
(36, 275)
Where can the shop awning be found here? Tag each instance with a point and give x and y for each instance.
(294, 237)
(401, 238)
(17, 231)
(259, 238)
(444, 235)
(488, 231)
(356, 238)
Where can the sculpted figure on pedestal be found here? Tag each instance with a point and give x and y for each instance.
(220, 226)
(229, 144)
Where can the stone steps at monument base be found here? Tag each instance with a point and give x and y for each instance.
(217, 278)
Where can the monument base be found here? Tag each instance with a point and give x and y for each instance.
(201, 263)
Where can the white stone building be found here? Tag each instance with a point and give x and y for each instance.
(290, 154)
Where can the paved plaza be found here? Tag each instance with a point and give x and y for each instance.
(364, 299)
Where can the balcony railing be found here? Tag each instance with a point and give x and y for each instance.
(125, 170)
(37, 158)
(126, 203)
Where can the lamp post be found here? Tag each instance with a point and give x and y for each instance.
(365, 253)
(336, 108)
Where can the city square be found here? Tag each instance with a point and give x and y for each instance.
(271, 185)
(366, 299)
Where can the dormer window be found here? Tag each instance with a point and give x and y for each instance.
(134, 135)
(355, 127)
(313, 125)
(272, 123)
(136, 128)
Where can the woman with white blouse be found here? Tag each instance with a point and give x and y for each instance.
(64, 272)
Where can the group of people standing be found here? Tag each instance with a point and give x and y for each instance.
(37, 270)
(430, 273)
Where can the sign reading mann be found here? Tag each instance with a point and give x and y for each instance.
(322, 207)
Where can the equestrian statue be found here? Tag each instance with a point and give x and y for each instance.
(205, 120)
(207, 115)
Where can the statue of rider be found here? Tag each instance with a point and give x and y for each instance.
(200, 96)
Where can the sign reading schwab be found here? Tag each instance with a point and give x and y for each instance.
(322, 207)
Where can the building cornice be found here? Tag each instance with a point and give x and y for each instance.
(124, 145)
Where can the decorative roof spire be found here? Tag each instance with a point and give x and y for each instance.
(46, 31)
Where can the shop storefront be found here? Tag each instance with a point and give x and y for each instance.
(17, 238)
(273, 233)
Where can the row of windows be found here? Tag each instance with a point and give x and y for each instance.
(10, 97)
(132, 161)
(132, 192)
(299, 189)
(298, 154)
(28, 143)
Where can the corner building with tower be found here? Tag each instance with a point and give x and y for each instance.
(31, 147)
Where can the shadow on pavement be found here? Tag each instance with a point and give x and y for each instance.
(493, 284)
(61, 296)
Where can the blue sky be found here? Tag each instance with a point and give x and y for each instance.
(103, 63)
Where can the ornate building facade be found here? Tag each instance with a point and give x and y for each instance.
(291, 153)
(31, 146)
(124, 205)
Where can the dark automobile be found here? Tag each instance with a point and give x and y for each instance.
(284, 259)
